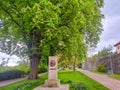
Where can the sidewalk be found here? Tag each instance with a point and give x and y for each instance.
(7, 82)
(111, 83)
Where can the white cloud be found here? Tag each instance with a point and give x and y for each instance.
(12, 64)
(12, 59)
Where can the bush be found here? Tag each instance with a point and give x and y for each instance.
(25, 85)
(69, 81)
(80, 65)
(22, 67)
(42, 69)
(11, 75)
(102, 68)
(79, 86)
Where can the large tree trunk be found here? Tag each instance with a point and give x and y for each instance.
(35, 55)
(34, 63)
(74, 64)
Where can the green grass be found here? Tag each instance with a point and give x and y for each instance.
(97, 72)
(65, 70)
(77, 77)
(25, 84)
(116, 76)
(65, 77)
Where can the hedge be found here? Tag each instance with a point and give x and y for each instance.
(11, 75)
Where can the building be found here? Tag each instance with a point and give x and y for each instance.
(117, 45)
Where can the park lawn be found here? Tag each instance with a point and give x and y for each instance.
(65, 77)
(77, 77)
(97, 72)
(25, 84)
(116, 76)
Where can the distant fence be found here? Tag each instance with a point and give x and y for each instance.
(111, 59)
(106, 61)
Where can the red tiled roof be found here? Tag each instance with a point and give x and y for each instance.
(117, 44)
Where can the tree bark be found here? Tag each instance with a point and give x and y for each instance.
(34, 63)
(74, 64)
(35, 55)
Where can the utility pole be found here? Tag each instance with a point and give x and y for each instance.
(111, 64)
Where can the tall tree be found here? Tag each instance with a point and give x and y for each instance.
(105, 51)
(51, 27)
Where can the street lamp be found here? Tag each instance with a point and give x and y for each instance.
(111, 64)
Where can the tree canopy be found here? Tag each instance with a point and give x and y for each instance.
(51, 27)
(105, 51)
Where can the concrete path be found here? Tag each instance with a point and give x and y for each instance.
(7, 82)
(111, 83)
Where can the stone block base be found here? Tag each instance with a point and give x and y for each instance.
(52, 83)
(61, 87)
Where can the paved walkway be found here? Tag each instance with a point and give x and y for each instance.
(7, 82)
(111, 83)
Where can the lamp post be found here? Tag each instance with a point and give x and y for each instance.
(111, 64)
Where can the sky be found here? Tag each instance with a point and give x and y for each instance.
(111, 26)
(12, 59)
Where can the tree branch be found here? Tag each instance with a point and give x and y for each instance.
(12, 18)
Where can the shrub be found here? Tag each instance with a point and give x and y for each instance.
(69, 81)
(25, 85)
(80, 65)
(63, 82)
(79, 86)
(22, 67)
(102, 68)
(11, 75)
(42, 69)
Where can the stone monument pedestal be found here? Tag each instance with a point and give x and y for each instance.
(61, 87)
(52, 83)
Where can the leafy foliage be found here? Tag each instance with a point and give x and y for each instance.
(61, 23)
(42, 68)
(79, 86)
(4, 62)
(102, 68)
(51, 27)
(23, 67)
(105, 52)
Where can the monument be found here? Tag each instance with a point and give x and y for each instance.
(53, 83)
(52, 73)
